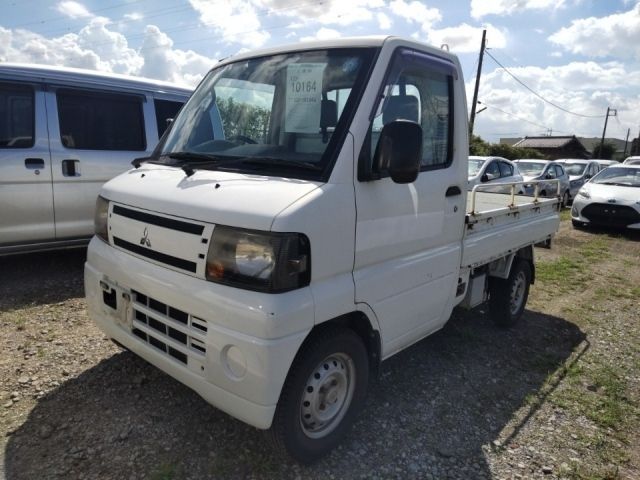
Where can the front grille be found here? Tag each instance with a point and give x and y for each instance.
(169, 223)
(157, 256)
(611, 214)
(170, 330)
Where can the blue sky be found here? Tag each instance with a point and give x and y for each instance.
(581, 55)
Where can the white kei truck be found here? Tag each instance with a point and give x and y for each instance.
(305, 218)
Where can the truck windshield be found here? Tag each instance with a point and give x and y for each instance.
(283, 115)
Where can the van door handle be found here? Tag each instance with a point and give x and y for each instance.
(34, 163)
(452, 191)
(71, 168)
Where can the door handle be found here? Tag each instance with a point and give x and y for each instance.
(452, 191)
(34, 163)
(71, 168)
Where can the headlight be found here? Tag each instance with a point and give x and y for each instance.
(583, 193)
(101, 220)
(264, 261)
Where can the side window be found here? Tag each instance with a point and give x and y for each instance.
(551, 172)
(559, 171)
(16, 116)
(165, 109)
(493, 170)
(419, 88)
(506, 170)
(100, 121)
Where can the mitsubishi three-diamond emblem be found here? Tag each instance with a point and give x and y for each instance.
(145, 238)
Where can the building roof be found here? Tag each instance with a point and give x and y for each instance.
(546, 142)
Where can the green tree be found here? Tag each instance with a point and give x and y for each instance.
(477, 146)
(608, 149)
(239, 118)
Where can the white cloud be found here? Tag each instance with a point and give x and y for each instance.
(96, 47)
(328, 12)
(481, 8)
(134, 16)
(616, 35)
(464, 38)
(415, 12)
(581, 87)
(236, 20)
(384, 22)
(73, 9)
(323, 34)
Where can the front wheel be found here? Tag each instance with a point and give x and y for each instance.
(322, 394)
(508, 297)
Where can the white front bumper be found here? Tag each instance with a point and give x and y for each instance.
(250, 341)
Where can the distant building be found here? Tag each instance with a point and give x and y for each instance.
(589, 143)
(555, 147)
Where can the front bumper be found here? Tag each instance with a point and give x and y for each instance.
(599, 212)
(233, 347)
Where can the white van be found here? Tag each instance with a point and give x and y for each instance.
(63, 133)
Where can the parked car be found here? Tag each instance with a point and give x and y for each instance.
(540, 170)
(63, 133)
(580, 171)
(611, 198)
(605, 163)
(632, 161)
(493, 171)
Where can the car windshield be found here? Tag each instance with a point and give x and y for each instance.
(475, 166)
(531, 169)
(575, 169)
(277, 114)
(620, 176)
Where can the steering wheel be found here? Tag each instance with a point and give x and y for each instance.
(241, 138)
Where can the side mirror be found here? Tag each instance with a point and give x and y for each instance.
(588, 176)
(399, 150)
(548, 176)
(484, 178)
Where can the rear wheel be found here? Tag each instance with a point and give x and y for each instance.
(508, 297)
(324, 391)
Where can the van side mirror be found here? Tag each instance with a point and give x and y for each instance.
(399, 150)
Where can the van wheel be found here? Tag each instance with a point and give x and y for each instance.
(565, 200)
(508, 297)
(322, 395)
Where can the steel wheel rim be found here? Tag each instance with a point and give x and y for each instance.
(517, 292)
(327, 395)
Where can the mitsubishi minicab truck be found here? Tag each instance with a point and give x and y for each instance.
(305, 218)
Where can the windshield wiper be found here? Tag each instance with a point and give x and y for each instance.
(281, 162)
(139, 161)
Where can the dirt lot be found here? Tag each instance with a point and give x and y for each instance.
(556, 397)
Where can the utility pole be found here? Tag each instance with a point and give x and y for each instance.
(625, 143)
(604, 131)
(475, 91)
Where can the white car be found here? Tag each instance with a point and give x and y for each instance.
(493, 170)
(580, 172)
(611, 198)
(632, 161)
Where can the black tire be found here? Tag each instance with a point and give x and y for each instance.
(508, 297)
(565, 200)
(333, 359)
(577, 224)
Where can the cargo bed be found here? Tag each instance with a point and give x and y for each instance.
(498, 224)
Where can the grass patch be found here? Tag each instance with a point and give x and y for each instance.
(166, 471)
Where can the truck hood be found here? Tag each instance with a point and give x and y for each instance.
(228, 198)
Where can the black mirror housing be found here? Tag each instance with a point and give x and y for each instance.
(484, 178)
(399, 150)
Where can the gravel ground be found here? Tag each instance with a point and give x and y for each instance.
(556, 397)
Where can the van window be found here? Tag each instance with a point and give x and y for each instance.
(100, 121)
(165, 109)
(506, 170)
(16, 116)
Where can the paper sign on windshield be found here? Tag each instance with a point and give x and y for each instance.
(304, 94)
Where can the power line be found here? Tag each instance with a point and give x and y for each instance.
(538, 95)
(513, 115)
